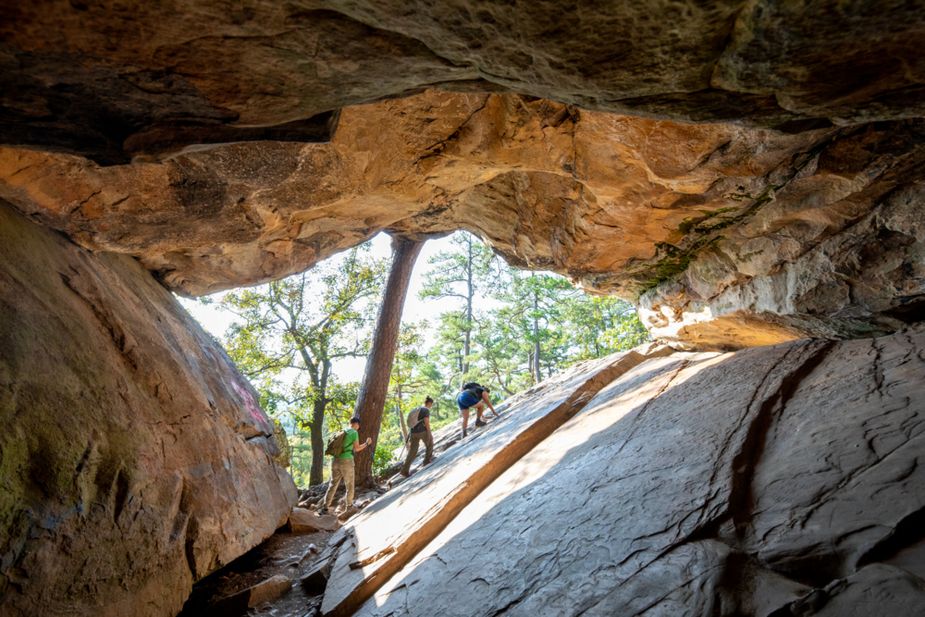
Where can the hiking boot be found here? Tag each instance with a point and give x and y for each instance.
(322, 511)
(480, 423)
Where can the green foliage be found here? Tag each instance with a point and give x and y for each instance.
(506, 330)
(462, 273)
(284, 458)
(290, 332)
(382, 458)
(523, 326)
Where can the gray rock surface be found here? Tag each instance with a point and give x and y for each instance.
(134, 458)
(772, 481)
(384, 536)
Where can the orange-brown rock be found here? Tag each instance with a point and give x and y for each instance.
(303, 520)
(746, 172)
(732, 236)
(134, 458)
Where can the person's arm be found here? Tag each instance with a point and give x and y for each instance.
(427, 423)
(359, 447)
(487, 399)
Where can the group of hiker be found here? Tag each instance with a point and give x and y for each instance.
(343, 445)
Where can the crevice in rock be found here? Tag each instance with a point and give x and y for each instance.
(437, 148)
(744, 464)
(908, 531)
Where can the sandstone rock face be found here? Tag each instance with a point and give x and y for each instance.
(727, 236)
(133, 457)
(111, 82)
(773, 481)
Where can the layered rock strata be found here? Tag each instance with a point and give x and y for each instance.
(727, 236)
(384, 536)
(116, 81)
(776, 480)
(134, 458)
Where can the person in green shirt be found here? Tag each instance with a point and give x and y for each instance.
(342, 466)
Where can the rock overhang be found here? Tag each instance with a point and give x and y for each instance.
(732, 169)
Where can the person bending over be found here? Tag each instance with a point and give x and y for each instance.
(474, 396)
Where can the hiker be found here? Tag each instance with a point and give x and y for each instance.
(342, 466)
(474, 395)
(420, 431)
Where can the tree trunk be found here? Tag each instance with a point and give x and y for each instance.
(401, 423)
(537, 375)
(316, 474)
(371, 401)
(400, 410)
(467, 343)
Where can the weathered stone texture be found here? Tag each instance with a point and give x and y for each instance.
(134, 458)
(733, 236)
(113, 81)
(776, 480)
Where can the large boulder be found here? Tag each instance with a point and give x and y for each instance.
(134, 458)
(772, 481)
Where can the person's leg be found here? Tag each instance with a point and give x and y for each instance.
(479, 409)
(429, 447)
(335, 482)
(413, 441)
(465, 415)
(350, 481)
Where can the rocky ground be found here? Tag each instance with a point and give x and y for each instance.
(774, 481)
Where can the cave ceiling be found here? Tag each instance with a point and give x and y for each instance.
(743, 172)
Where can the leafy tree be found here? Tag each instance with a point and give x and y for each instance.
(534, 308)
(461, 273)
(412, 375)
(292, 331)
(600, 325)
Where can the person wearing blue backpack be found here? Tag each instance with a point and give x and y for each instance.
(474, 396)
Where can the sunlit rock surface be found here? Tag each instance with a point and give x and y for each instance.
(745, 172)
(134, 458)
(727, 236)
(772, 481)
(384, 536)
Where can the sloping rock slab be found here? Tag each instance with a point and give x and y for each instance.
(381, 539)
(134, 458)
(774, 481)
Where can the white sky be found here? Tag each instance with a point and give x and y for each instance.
(216, 321)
